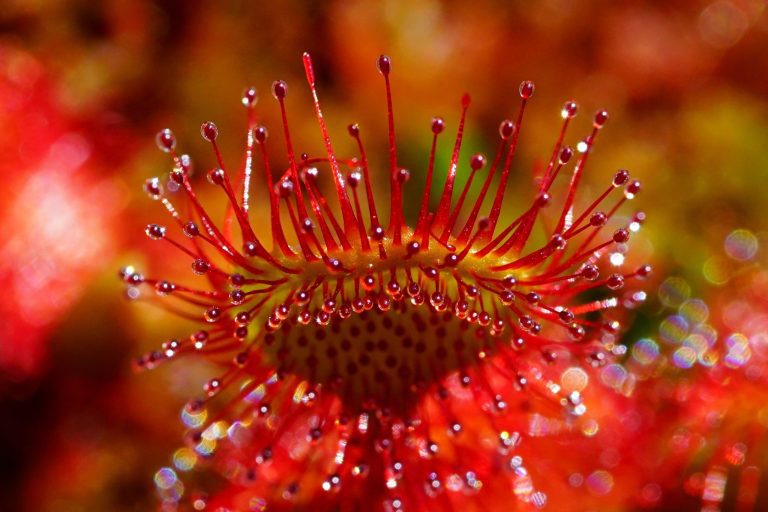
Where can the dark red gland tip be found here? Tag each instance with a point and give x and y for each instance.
(438, 125)
(209, 131)
(506, 129)
(153, 188)
(250, 97)
(615, 281)
(620, 178)
(526, 89)
(279, 89)
(384, 64)
(590, 272)
(601, 116)
(632, 189)
(190, 229)
(155, 232)
(598, 219)
(200, 266)
(621, 236)
(477, 162)
(261, 134)
(570, 109)
(216, 176)
(165, 140)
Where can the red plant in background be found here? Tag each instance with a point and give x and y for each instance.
(703, 398)
(54, 222)
(400, 367)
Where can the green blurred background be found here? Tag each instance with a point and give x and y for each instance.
(85, 86)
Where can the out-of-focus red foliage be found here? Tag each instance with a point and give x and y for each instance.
(55, 218)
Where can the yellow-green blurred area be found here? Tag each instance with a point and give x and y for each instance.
(685, 83)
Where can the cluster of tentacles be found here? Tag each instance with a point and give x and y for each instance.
(372, 362)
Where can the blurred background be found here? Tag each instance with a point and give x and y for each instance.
(84, 87)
